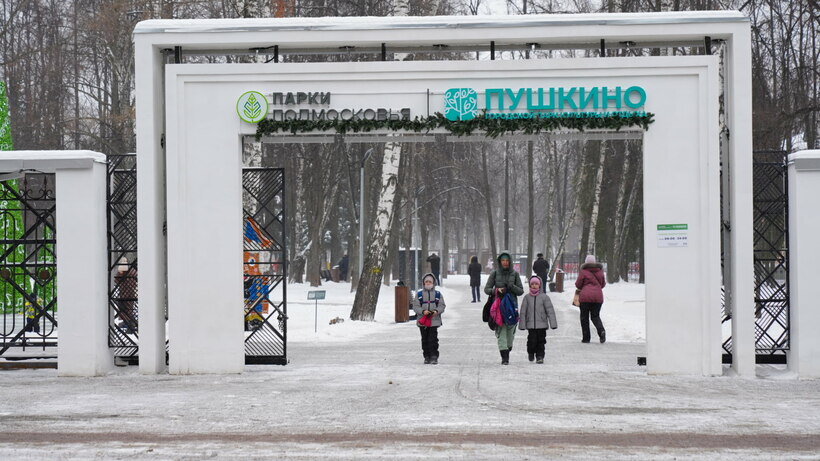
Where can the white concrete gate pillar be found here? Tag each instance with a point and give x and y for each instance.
(804, 247)
(82, 291)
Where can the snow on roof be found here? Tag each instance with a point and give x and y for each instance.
(814, 153)
(430, 22)
(48, 161)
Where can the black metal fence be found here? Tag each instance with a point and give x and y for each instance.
(771, 252)
(122, 256)
(265, 265)
(28, 267)
(771, 259)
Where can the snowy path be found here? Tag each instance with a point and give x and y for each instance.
(366, 394)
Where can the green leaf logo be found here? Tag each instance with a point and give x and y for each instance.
(252, 107)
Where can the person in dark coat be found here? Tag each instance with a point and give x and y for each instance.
(541, 268)
(344, 265)
(435, 267)
(589, 288)
(474, 270)
(126, 282)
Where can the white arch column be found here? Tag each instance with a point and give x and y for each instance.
(804, 246)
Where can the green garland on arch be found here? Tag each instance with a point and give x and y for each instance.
(491, 127)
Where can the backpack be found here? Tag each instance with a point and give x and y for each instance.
(509, 309)
(422, 302)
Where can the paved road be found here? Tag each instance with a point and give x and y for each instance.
(374, 399)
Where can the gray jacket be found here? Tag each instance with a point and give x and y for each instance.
(536, 312)
(429, 299)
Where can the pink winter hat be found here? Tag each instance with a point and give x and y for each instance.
(590, 259)
(535, 279)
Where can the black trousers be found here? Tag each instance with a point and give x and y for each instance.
(591, 311)
(476, 293)
(543, 278)
(536, 341)
(429, 342)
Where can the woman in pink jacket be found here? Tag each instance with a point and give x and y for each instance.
(589, 286)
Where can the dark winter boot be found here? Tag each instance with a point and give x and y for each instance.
(603, 337)
(433, 360)
(426, 360)
(505, 357)
(539, 360)
(531, 357)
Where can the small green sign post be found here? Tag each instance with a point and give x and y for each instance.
(316, 296)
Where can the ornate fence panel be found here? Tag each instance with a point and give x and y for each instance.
(123, 332)
(265, 265)
(771, 259)
(28, 267)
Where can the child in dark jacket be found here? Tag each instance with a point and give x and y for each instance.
(537, 314)
(429, 305)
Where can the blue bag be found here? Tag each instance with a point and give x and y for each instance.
(509, 309)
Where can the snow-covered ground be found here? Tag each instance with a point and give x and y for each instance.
(360, 391)
(337, 303)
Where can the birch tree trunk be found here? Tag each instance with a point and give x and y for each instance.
(596, 200)
(487, 202)
(395, 230)
(625, 206)
(560, 248)
(367, 293)
(530, 209)
(585, 190)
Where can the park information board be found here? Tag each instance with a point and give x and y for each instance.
(673, 235)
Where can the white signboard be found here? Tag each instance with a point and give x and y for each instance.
(673, 235)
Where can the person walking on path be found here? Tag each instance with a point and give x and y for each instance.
(435, 266)
(541, 268)
(503, 280)
(589, 288)
(474, 270)
(537, 314)
(429, 305)
(344, 265)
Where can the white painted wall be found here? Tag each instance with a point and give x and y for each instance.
(82, 278)
(205, 289)
(804, 248)
(681, 168)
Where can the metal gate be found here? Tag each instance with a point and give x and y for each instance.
(771, 254)
(122, 257)
(28, 264)
(771, 259)
(265, 265)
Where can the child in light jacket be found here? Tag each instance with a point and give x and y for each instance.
(429, 305)
(536, 315)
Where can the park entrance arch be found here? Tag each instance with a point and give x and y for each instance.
(191, 127)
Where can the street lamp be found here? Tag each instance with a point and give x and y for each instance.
(419, 190)
(445, 258)
(361, 209)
